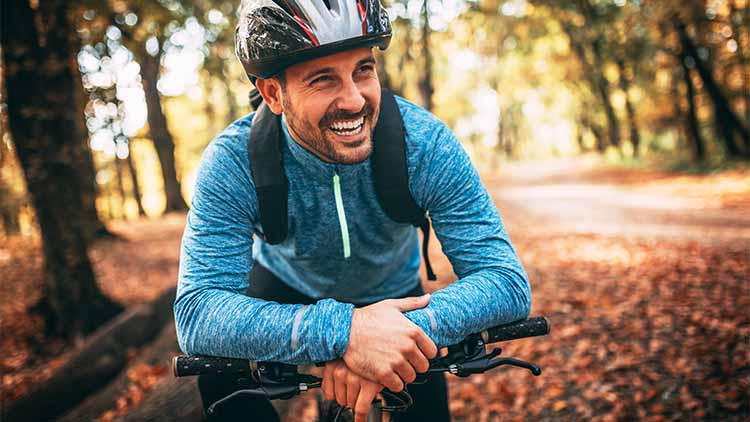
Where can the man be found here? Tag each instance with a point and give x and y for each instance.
(294, 300)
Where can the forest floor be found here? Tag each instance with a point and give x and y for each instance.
(644, 275)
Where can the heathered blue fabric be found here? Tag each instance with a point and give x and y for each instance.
(214, 317)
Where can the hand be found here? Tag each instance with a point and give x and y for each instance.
(387, 348)
(349, 389)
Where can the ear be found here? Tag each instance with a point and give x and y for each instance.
(270, 90)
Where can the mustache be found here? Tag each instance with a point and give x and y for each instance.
(367, 111)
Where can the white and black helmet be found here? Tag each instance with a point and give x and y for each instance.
(274, 34)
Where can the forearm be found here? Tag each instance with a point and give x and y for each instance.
(481, 300)
(223, 323)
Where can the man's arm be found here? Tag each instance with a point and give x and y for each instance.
(212, 314)
(493, 287)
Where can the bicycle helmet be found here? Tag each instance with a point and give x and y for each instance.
(274, 34)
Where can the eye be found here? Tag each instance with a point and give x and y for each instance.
(321, 79)
(367, 68)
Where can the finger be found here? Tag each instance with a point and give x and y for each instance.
(406, 372)
(410, 303)
(327, 385)
(352, 391)
(417, 360)
(340, 387)
(364, 401)
(392, 381)
(426, 345)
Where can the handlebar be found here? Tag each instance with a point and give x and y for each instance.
(532, 327)
(191, 365)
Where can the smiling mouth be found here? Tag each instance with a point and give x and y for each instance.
(348, 127)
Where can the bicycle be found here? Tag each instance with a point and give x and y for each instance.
(274, 380)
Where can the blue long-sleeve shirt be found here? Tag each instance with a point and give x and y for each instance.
(341, 247)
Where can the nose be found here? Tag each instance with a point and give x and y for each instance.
(350, 97)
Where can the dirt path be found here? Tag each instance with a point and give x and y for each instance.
(575, 197)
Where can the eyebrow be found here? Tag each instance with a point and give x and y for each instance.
(370, 60)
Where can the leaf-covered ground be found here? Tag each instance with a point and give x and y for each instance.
(647, 323)
(645, 277)
(133, 269)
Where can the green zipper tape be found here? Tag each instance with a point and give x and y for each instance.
(342, 216)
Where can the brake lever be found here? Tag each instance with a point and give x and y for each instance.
(486, 362)
(270, 392)
(535, 370)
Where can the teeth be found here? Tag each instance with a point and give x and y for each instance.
(349, 132)
(351, 124)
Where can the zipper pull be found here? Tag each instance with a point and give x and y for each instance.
(342, 215)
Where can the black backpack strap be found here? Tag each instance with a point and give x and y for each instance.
(267, 166)
(424, 225)
(389, 166)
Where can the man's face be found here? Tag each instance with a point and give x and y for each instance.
(331, 105)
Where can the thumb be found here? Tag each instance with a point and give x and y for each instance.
(410, 303)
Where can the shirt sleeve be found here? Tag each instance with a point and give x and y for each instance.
(212, 314)
(493, 287)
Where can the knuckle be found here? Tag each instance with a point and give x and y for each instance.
(405, 349)
(384, 372)
(340, 372)
(413, 349)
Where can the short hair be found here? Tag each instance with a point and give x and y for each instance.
(281, 77)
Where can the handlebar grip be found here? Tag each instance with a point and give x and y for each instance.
(187, 365)
(531, 327)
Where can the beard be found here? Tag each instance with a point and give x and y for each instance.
(324, 143)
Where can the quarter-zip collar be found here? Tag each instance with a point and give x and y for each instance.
(313, 165)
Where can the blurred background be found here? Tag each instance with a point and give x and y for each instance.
(614, 136)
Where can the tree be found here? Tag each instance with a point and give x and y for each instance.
(152, 21)
(727, 122)
(425, 82)
(40, 80)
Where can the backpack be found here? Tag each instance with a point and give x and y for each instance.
(265, 145)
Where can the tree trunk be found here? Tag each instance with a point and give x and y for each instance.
(134, 182)
(404, 60)
(691, 119)
(8, 210)
(744, 56)
(92, 365)
(596, 130)
(159, 132)
(599, 86)
(9, 199)
(208, 108)
(385, 79)
(121, 189)
(425, 83)
(581, 128)
(602, 87)
(41, 114)
(93, 226)
(727, 122)
(635, 137)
